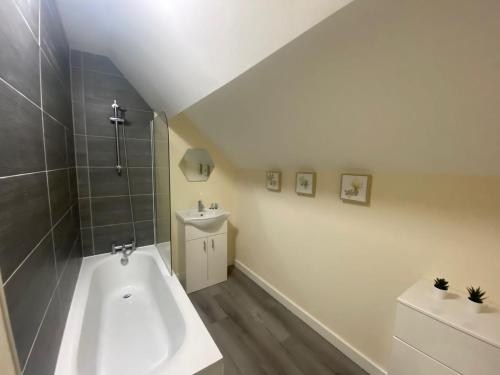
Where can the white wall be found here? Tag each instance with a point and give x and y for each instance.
(387, 85)
(176, 52)
(406, 90)
(346, 264)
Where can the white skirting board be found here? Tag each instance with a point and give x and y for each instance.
(355, 355)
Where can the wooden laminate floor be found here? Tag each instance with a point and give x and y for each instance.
(257, 335)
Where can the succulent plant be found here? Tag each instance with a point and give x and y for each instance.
(441, 283)
(476, 294)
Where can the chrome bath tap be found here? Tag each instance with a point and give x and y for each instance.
(115, 248)
(126, 249)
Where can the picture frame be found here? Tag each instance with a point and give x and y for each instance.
(305, 183)
(273, 181)
(355, 188)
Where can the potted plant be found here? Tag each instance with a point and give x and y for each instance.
(476, 299)
(440, 287)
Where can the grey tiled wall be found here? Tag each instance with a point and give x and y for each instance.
(40, 246)
(108, 212)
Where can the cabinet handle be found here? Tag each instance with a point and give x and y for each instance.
(213, 244)
(204, 246)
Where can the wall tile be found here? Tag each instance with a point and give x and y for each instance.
(81, 150)
(137, 124)
(73, 186)
(83, 182)
(24, 218)
(55, 143)
(102, 152)
(143, 207)
(19, 58)
(78, 119)
(76, 58)
(27, 256)
(30, 9)
(75, 211)
(70, 149)
(28, 293)
(59, 193)
(110, 204)
(65, 235)
(56, 97)
(141, 180)
(163, 229)
(106, 211)
(53, 40)
(139, 153)
(69, 278)
(107, 182)
(104, 88)
(21, 124)
(43, 358)
(84, 206)
(97, 119)
(105, 237)
(87, 249)
(76, 85)
(99, 63)
(144, 232)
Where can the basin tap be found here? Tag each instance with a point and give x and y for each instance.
(201, 207)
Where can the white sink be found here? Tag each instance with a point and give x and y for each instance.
(203, 219)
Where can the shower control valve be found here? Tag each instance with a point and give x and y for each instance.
(115, 248)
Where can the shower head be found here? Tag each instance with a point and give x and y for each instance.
(118, 117)
(116, 107)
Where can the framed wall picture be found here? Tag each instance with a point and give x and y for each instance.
(305, 183)
(273, 181)
(355, 188)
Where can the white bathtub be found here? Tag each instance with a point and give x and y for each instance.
(154, 331)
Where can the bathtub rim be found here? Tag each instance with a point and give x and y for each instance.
(197, 352)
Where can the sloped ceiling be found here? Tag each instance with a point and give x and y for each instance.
(176, 52)
(384, 85)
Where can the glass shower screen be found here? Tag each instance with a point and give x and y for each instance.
(161, 178)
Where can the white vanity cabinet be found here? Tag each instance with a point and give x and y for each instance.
(206, 261)
(441, 337)
(205, 249)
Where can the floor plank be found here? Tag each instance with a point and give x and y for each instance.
(259, 336)
(272, 356)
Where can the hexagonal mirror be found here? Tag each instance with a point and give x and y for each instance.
(197, 165)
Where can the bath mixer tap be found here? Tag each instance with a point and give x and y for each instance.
(127, 250)
(116, 248)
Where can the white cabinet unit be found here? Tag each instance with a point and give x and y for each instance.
(406, 360)
(217, 258)
(205, 253)
(434, 337)
(197, 264)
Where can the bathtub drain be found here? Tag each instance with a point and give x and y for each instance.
(127, 295)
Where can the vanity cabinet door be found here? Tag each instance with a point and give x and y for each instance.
(197, 264)
(217, 258)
